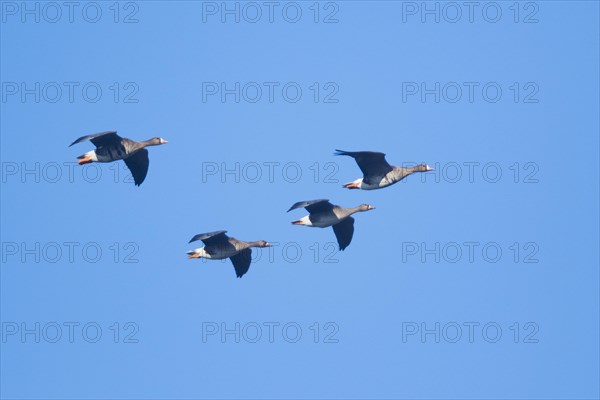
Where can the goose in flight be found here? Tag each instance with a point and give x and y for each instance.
(377, 173)
(112, 147)
(218, 246)
(323, 214)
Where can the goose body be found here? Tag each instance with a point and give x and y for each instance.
(323, 214)
(112, 147)
(377, 173)
(219, 246)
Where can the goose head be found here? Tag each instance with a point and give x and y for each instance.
(423, 168)
(262, 243)
(155, 141)
(365, 207)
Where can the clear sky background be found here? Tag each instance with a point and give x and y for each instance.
(372, 305)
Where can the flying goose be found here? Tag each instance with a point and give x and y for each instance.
(323, 214)
(218, 246)
(377, 173)
(112, 147)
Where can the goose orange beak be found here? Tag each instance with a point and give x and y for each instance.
(193, 255)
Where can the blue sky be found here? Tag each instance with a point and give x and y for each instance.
(478, 280)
